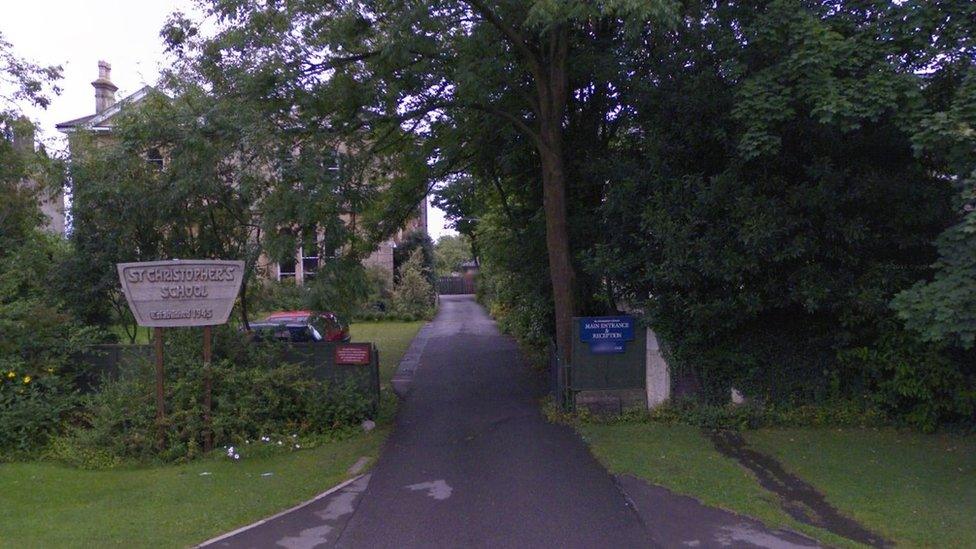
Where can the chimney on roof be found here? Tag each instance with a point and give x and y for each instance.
(104, 88)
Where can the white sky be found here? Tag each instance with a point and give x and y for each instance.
(76, 34)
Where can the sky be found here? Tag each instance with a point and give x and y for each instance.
(76, 34)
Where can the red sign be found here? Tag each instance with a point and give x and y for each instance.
(353, 353)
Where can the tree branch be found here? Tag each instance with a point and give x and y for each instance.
(517, 40)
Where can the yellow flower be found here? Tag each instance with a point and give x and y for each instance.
(27, 379)
(11, 374)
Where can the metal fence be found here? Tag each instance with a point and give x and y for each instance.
(560, 379)
(599, 382)
(99, 362)
(455, 285)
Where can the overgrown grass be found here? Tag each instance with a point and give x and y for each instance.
(48, 505)
(918, 490)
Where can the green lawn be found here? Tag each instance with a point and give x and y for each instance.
(681, 459)
(392, 339)
(49, 505)
(918, 490)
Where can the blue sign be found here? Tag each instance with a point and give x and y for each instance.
(606, 328)
(606, 334)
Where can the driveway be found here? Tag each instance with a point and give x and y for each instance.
(473, 463)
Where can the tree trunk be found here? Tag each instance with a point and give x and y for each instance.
(552, 88)
(244, 314)
(561, 273)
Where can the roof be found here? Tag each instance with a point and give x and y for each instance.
(98, 121)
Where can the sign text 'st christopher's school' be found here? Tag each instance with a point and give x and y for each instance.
(181, 293)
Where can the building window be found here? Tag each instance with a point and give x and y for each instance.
(309, 253)
(286, 269)
(155, 158)
(310, 264)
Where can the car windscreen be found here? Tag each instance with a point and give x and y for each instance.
(296, 333)
(286, 319)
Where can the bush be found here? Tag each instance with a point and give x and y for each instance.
(513, 281)
(840, 413)
(413, 295)
(271, 295)
(379, 281)
(910, 381)
(254, 395)
(31, 410)
(36, 340)
(405, 249)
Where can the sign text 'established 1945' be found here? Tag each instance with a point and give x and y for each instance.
(173, 293)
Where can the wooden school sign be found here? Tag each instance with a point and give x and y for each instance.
(164, 294)
(175, 293)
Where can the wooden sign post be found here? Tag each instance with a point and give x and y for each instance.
(166, 294)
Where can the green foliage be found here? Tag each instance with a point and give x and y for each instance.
(271, 295)
(254, 396)
(512, 282)
(782, 205)
(748, 416)
(380, 282)
(32, 408)
(340, 285)
(413, 294)
(944, 308)
(404, 251)
(36, 335)
(907, 381)
(450, 252)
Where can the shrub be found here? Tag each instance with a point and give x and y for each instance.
(405, 249)
(36, 340)
(31, 410)
(254, 395)
(276, 296)
(910, 381)
(379, 280)
(413, 295)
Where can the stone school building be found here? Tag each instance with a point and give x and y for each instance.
(305, 262)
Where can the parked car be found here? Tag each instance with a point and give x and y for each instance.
(301, 327)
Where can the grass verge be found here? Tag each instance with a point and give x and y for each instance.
(392, 339)
(914, 489)
(681, 459)
(50, 505)
(917, 490)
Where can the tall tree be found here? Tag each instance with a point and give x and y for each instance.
(402, 76)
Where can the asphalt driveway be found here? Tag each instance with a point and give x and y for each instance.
(473, 463)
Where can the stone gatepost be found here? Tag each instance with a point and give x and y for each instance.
(658, 383)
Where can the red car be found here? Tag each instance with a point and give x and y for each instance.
(302, 326)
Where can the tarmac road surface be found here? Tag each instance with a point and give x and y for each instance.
(473, 463)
